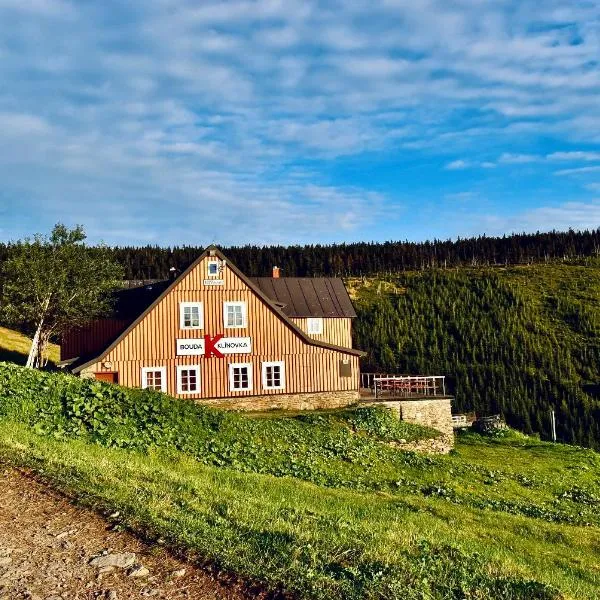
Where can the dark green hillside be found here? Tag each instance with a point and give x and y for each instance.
(518, 340)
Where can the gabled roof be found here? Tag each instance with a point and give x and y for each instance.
(273, 305)
(130, 302)
(308, 296)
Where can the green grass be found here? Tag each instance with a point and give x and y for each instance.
(14, 347)
(319, 505)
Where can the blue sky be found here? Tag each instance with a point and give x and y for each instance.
(298, 121)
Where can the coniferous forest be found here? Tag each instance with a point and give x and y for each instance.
(364, 258)
(520, 341)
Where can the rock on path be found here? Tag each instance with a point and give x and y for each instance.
(53, 550)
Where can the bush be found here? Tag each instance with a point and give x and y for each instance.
(328, 449)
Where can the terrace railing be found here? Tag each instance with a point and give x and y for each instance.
(407, 386)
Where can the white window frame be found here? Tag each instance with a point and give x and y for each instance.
(276, 363)
(183, 306)
(213, 261)
(181, 368)
(314, 325)
(231, 382)
(163, 378)
(244, 314)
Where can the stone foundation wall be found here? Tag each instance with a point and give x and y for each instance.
(435, 413)
(308, 401)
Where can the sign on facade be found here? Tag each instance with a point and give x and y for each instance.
(214, 346)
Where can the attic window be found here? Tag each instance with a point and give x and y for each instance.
(314, 325)
(213, 268)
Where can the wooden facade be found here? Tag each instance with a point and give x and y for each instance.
(337, 330)
(311, 363)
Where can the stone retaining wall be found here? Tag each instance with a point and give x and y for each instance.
(307, 401)
(431, 412)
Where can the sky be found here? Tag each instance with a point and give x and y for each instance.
(298, 121)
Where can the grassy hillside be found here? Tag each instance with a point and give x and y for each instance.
(319, 505)
(518, 340)
(14, 347)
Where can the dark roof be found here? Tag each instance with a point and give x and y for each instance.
(130, 302)
(308, 296)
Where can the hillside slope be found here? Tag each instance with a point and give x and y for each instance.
(319, 505)
(518, 340)
(14, 347)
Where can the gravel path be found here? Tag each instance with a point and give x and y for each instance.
(47, 543)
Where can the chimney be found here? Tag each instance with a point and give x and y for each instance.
(275, 272)
(172, 273)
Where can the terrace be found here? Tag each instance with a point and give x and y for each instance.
(379, 386)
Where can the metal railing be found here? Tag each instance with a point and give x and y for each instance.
(366, 379)
(409, 386)
(460, 421)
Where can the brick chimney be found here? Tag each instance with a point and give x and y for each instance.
(275, 272)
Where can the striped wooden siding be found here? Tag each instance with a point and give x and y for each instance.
(153, 343)
(336, 331)
(91, 338)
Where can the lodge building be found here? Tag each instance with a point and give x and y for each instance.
(216, 336)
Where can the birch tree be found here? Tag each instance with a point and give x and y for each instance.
(53, 283)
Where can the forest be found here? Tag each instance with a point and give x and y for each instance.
(520, 341)
(364, 258)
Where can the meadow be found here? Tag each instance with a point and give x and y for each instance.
(318, 505)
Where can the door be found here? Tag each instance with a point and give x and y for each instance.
(109, 376)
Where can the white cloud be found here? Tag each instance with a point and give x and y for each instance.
(568, 215)
(578, 170)
(518, 159)
(575, 156)
(458, 165)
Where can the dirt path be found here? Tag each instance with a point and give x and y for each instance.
(46, 545)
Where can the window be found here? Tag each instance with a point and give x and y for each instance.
(234, 314)
(154, 378)
(191, 315)
(240, 376)
(273, 375)
(213, 268)
(315, 325)
(188, 379)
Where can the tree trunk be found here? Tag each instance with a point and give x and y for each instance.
(43, 343)
(35, 346)
(33, 360)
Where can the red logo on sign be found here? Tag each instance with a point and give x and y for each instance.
(210, 346)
